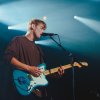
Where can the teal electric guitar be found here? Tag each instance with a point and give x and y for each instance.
(26, 83)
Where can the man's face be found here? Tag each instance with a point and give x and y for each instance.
(39, 29)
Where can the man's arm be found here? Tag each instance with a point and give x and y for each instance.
(35, 71)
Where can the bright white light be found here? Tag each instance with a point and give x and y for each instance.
(75, 17)
(21, 27)
(44, 42)
(93, 24)
(44, 18)
(9, 27)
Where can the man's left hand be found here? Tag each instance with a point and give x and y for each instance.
(60, 71)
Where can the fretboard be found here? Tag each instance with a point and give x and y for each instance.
(53, 70)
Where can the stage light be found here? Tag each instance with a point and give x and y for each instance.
(44, 18)
(75, 17)
(44, 42)
(93, 24)
(21, 27)
(9, 27)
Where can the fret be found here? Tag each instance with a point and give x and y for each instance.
(67, 66)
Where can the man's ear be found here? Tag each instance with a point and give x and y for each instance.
(33, 26)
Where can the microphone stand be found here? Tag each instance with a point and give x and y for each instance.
(71, 61)
(65, 51)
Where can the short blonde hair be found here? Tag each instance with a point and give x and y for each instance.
(36, 22)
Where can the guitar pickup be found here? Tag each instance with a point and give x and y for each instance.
(29, 77)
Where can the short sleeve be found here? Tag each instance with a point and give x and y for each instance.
(12, 50)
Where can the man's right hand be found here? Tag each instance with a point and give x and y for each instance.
(35, 71)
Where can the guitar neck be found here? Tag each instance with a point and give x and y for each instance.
(53, 70)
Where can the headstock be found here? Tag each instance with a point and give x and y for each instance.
(80, 64)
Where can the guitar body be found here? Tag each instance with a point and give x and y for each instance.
(26, 83)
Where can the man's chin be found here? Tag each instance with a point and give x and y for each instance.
(38, 37)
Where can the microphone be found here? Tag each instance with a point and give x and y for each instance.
(48, 34)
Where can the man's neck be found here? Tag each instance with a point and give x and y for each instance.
(29, 36)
